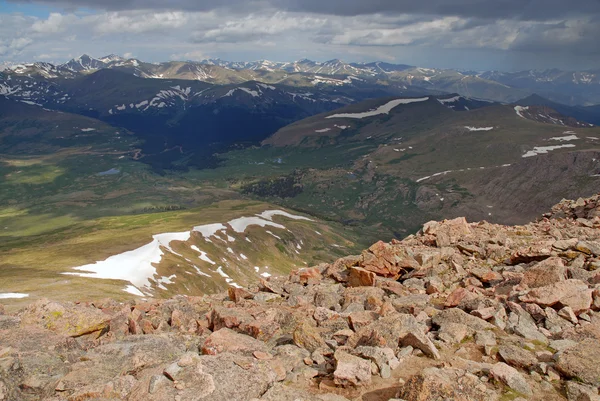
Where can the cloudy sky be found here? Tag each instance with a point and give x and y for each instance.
(465, 34)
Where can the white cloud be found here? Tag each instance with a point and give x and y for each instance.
(19, 43)
(55, 23)
(136, 22)
(284, 35)
(194, 55)
(255, 27)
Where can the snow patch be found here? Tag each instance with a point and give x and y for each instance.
(479, 128)
(268, 214)
(203, 255)
(384, 109)
(134, 291)
(88, 129)
(538, 150)
(566, 138)
(240, 225)
(520, 109)
(12, 295)
(200, 272)
(449, 100)
(276, 236)
(135, 266)
(208, 230)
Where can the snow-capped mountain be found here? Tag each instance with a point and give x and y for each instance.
(83, 63)
(568, 87)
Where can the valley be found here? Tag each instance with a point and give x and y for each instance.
(109, 174)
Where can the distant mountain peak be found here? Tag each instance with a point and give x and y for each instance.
(111, 57)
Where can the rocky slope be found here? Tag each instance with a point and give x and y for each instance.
(459, 311)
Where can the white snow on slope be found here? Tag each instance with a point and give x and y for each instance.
(248, 91)
(538, 150)
(450, 100)
(88, 129)
(273, 235)
(200, 272)
(520, 109)
(265, 86)
(240, 225)
(565, 138)
(268, 214)
(203, 255)
(460, 170)
(134, 266)
(479, 128)
(208, 230)
(383, 109)
(323, 130)
(134, 291)
(137, 266)
(12, 295)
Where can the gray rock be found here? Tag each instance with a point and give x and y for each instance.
(454, 333)
(511, 377)
(581, 392)
(581, 362)
(561, 345)
(521, 323)
(456, 315)
(517, 356)
(266, 296)
(384, 358)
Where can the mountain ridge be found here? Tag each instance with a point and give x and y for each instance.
(570, 87)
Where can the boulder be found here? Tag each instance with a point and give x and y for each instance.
(521, 323)
(221, 317)
(384, 358)
(459, 316)
(546, 272)
(588, 247)
(581, 392)
(512, 378)
(306, 276)
(359, 277)
(73, 320)
(419, 340)
(454, 333)
(351, 370)
(580, 362)
(361, 319)
(308, 337)
(572, 293)
(517, 356)
(238, 294)
(441, 384)
(386, 331)
(227, 340)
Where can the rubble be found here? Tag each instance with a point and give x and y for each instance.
(469, 311)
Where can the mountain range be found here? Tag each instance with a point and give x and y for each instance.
(568, 87)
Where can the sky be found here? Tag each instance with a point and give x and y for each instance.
(504, 35)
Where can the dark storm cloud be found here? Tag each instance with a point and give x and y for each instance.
(490, 9)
